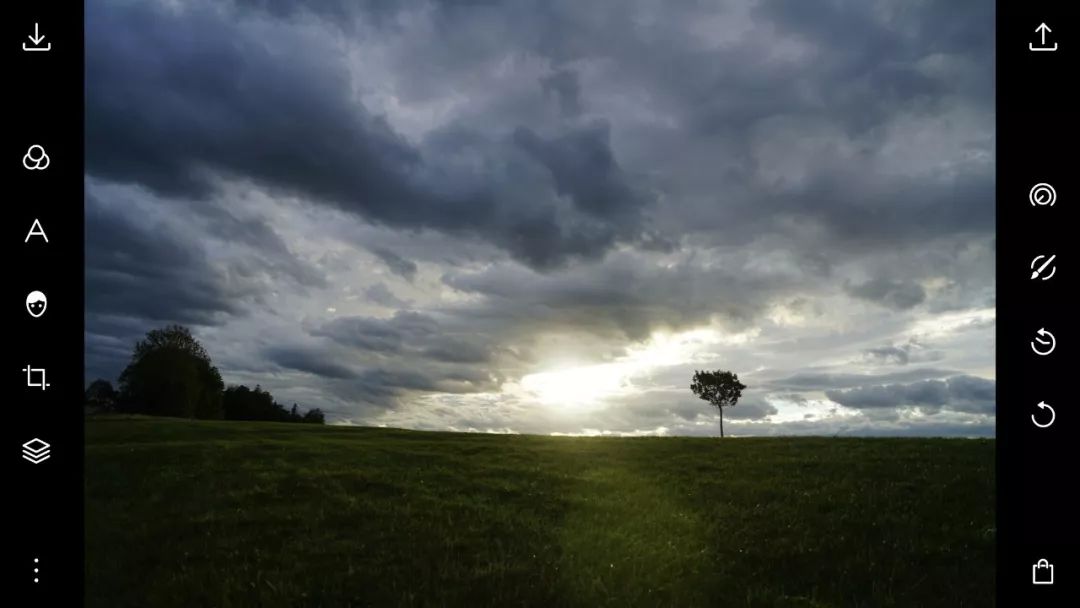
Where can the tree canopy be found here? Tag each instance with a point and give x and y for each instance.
(170, 374)
(720, 388)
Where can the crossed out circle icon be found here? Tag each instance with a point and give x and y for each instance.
(36, 159)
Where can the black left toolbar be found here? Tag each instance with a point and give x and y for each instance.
(43, 318)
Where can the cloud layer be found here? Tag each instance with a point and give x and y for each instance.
(543, 217)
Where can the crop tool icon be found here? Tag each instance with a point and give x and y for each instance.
(35, 451)
(35, 377)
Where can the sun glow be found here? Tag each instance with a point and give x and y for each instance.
(588, 385)
(576, 386)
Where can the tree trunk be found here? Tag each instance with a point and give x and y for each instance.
(721, 421)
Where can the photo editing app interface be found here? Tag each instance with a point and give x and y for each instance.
(332, 303)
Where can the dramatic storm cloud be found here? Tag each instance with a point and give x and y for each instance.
(544, 216)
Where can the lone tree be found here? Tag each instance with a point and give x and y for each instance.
(719, 388)
(170, 374)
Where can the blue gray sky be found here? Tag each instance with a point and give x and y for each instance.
(544, 216)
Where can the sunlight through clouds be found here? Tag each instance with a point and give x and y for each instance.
(588, 385)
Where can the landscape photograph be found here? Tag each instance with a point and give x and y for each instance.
(523, 303)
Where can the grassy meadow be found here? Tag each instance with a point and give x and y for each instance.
(231, 514)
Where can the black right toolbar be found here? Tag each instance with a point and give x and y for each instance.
(1037, 420)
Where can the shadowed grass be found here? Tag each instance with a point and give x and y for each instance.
(183, 513)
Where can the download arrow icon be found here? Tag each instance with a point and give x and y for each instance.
(37, 39)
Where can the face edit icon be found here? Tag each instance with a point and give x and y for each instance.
(36, 303)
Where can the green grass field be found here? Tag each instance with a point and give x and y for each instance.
(228, 514)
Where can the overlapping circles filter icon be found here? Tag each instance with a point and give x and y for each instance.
(36, 303)
(35, 158)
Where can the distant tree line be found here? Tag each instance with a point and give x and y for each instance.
(243, 403)
(170, 374)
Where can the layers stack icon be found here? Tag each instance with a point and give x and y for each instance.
(35, 451)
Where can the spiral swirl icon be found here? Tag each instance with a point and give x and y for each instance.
(36, 159)
(1042, 195)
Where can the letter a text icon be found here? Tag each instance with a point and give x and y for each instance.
(36, 230)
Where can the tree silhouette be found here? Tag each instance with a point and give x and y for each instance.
(243, 403)
(720, 388)
(170, 337)
(101, 396)
(170, 374)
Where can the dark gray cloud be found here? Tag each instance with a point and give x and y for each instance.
(890, 354)
(622, 296)
(214, 101)
(143, 272)
(375, 362)
(959, 393)
(309, 360)
(139, 275)
(357, 161)
(406, 333)
(565, 87)
(456, 350)
(898, 295)
(902, 354)
(380, 294)
(584, 169)
(137, 269)
(403, 330)
(890, 44)
(972, 394)
(397, 264)
(274, 255)
(370, 380)
(813, 380)
(109, 343)
(354, 159)
(750, 407)
(384, 388)
(233, 106)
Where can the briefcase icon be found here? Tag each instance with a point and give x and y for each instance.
(1042, 573)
